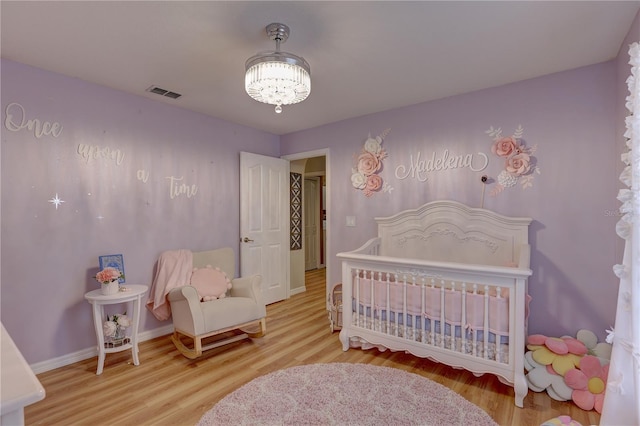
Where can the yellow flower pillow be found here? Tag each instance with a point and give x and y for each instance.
(211, 283)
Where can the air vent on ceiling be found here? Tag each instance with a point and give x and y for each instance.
(162, 92)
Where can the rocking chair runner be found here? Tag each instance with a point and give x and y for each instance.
(243, 307)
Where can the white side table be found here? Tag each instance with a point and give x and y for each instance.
(98, 300)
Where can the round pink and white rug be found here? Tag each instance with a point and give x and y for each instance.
(344, 394)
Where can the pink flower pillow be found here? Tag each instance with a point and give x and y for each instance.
(210, 283)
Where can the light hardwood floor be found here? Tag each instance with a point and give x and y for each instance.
(169, 389)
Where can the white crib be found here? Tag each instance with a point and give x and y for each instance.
(445, 282)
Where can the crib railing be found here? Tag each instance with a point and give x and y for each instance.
(466, 317)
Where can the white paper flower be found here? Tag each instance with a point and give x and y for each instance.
(123, 321)
(625, 195)
(373, 146)
(506, 179)
(109, 328)
(610, 336)
(624, 227)
(621, 271)
(358, 180)
(626, 158)
(625, 176)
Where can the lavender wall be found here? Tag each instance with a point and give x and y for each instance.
(570, 116)
(111, 204)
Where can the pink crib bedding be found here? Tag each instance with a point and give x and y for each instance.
(472, 308)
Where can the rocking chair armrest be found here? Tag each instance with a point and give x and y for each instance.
(185, 309)
(248, 287)
(185, 292)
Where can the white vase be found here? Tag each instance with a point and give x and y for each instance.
(110, 288)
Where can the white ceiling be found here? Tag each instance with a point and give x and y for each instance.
(365, 57)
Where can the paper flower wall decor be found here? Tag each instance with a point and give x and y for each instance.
(519, 162)
(365, 175)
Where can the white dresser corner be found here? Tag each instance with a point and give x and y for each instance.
(19, 385)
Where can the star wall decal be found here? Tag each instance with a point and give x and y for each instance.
(56, 201)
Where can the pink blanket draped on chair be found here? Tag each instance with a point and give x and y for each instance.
(174, 270)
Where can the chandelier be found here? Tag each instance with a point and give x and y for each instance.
(277, 78)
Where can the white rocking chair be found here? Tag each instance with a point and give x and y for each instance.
(243, 307)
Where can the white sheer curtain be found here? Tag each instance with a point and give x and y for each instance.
(622, 398)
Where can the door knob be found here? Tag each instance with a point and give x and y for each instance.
(247, 240)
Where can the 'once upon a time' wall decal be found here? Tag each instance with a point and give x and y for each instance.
(176, 188)
(19, 122)
(95, 152)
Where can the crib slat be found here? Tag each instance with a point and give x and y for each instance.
(371, 324)
(452, 326)
(442, 308)
(387, 286)
(404, 306)
(431, 321)
(475, 331)
(497, 327)
(357, 307)
(486, 322)
(423, 310)
(463, 320)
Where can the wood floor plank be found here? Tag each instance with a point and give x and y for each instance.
(169, 389)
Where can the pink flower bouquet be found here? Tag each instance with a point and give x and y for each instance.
(108, 274)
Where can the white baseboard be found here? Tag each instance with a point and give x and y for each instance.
(41, 367)
(297, 290)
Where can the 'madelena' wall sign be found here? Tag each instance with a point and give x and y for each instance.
(419, 167)
(519, 163)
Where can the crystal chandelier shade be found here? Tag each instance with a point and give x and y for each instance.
(277, 78)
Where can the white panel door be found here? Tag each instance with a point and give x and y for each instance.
(264, 223)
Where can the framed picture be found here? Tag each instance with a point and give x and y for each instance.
(113, 261)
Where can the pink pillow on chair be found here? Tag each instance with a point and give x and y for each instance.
(210, 283)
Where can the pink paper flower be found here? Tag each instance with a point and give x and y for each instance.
(368, 163)
(374, 183)
(518, 164)
(504, 147)
(588, 383)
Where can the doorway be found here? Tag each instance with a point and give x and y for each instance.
(312, 223)
(314, 166)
